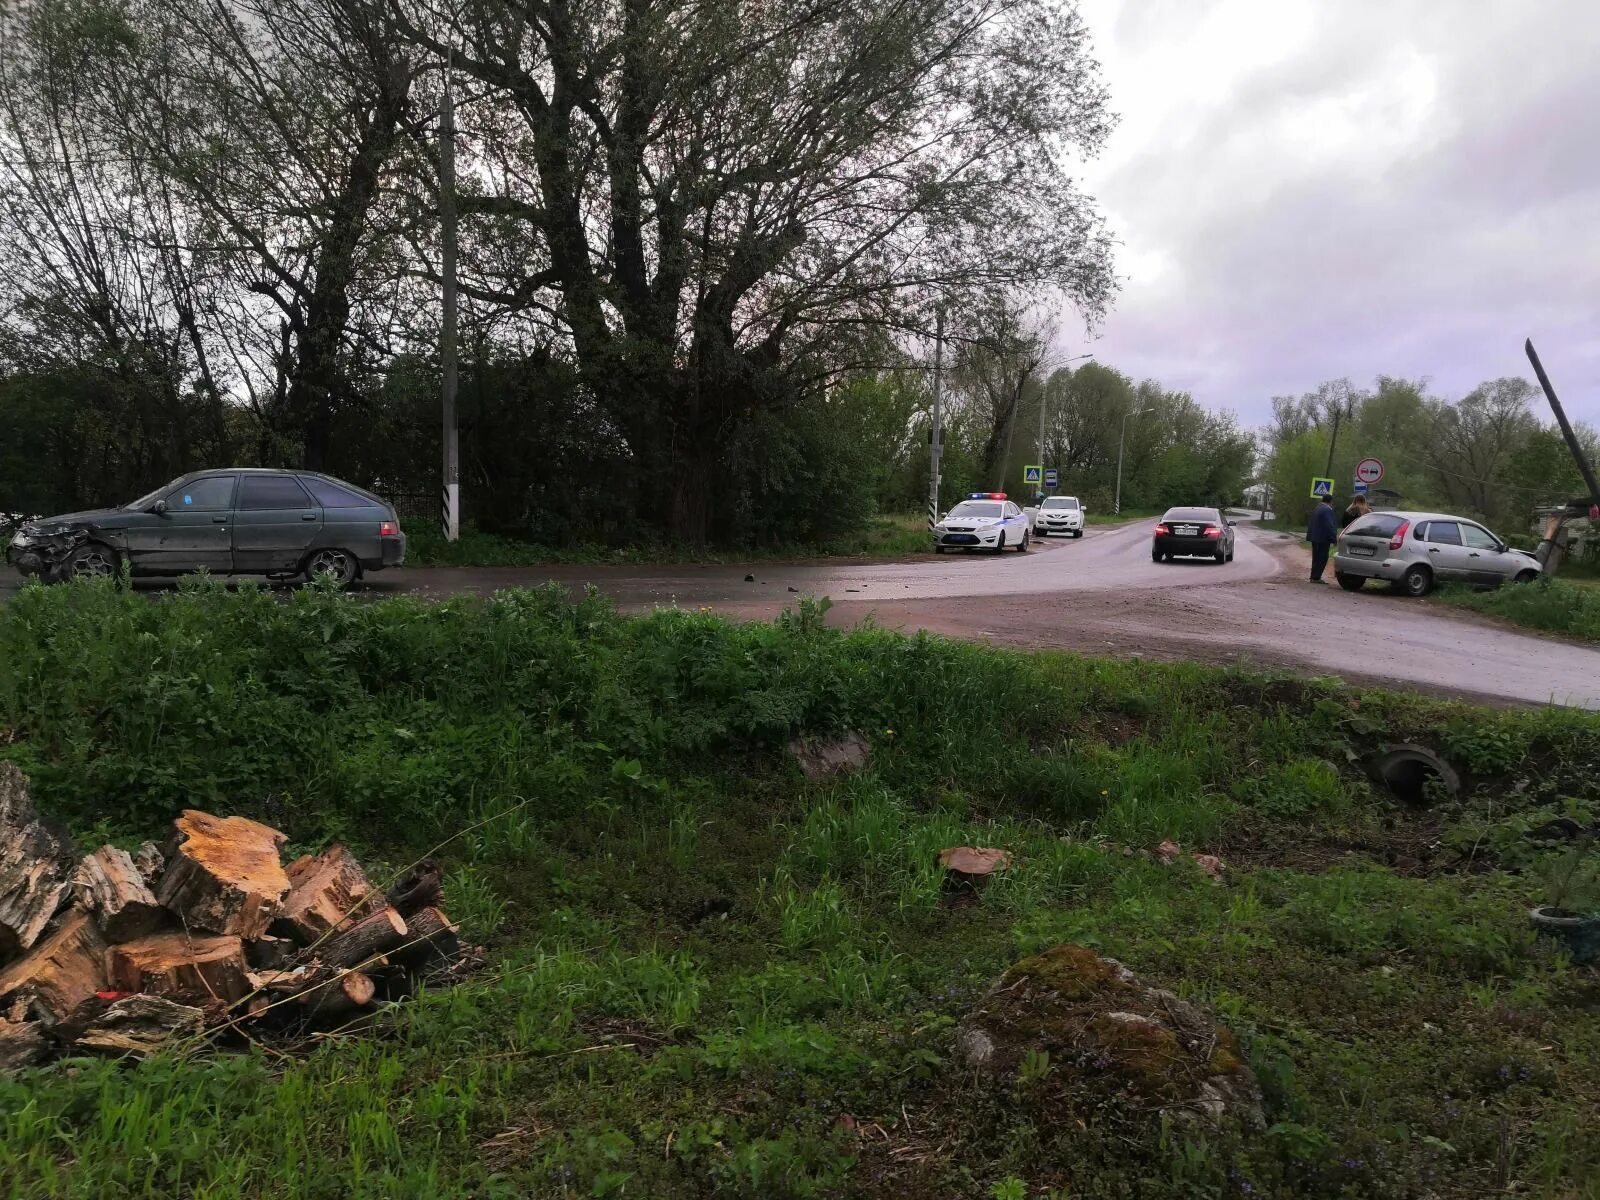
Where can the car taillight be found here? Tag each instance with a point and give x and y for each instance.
(1212, 531)
(388, 528)
(1399, 536)
(1162, 529)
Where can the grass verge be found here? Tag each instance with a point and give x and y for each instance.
(900, 535)
(1565, 606)
(713, 978)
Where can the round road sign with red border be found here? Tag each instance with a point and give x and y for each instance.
(1369, 471)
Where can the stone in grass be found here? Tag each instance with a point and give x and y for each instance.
(822, 758)
(1079, 1034)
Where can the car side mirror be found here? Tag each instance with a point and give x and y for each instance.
(159, 508)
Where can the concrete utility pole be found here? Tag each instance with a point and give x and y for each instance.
(451, 496)
(936, 444)
(1116, 506)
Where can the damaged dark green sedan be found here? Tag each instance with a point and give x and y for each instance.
(240, 521)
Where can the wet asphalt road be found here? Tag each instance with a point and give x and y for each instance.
(1102, 594)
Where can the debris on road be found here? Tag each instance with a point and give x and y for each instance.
(123, 953)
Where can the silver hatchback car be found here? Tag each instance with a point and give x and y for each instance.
(1414, 551)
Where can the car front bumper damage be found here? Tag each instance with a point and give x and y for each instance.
(47, 556)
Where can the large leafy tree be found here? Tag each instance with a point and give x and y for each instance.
(710, 203)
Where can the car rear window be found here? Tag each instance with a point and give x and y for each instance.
(257, 492)
(331, 495)
(1378, 525)
(1069, 502)
(1192, 514)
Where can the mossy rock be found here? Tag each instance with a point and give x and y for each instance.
(1078, 1035)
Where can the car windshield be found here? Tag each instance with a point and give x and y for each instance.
(144, 502)
(975, 508)
(1062, 502)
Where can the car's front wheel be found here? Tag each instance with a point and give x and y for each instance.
(92, 560)
(1417, 581)
(338, 566)
(1526, 577)
(938, 549)
(1350, 583)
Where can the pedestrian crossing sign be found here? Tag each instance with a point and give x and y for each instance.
(1321, 489)
(1034, 474)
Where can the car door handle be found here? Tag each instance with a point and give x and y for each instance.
(1474, 554)
(308, 516)
(219, 520)
(1433, 550)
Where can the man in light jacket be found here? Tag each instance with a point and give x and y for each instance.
(1322, 533)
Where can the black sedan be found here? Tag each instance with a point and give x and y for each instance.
(1192, 533)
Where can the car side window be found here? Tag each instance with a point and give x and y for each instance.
(1479, 539)
(332, 495)
(214, 493)
(1444, 533)
(1012, 510)
(258, 492)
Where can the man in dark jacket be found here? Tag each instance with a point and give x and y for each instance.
(1322, 533)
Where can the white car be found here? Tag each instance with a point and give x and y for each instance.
(1060, 514)
(985, 520)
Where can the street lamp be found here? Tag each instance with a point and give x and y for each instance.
(1116, 506)
(1044, 404)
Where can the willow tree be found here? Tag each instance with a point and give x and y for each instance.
(712, 201)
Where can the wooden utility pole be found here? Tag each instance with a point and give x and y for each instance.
(451, 495)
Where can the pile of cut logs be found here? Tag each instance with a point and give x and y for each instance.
(123, 953)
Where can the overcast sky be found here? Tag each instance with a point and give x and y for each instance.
(1308, 189)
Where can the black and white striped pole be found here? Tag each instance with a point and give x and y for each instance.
(450, 494)
(936, 437)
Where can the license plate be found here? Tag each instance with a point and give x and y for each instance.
(1186, 530)
(1362, 551)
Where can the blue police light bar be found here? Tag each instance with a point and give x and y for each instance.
(987, 496)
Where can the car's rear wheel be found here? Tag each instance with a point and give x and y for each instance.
(1350, 583)
(1221, 556)
(1022, 546)
(1156, 556)
(92, 560)
(339, 566)
(1526, 577)
(1417, 581)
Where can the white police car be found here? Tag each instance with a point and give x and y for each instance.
(985, 520)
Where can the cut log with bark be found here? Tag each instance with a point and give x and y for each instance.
(149, 861)
(223, 875)
(325, 890)
(108, 885)
(36, 862)
(365, 940)
(181, 966)
(346, 993)
(430, 941)
(22, 1042)
(64, 969)
(268, 953)
(140, 1025)
(419, 888)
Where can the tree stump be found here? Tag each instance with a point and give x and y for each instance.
(108, 885)
(223, 875)
(324, 891)
(35, 866)
(365, 940)
(181, 966)
(61, 971)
